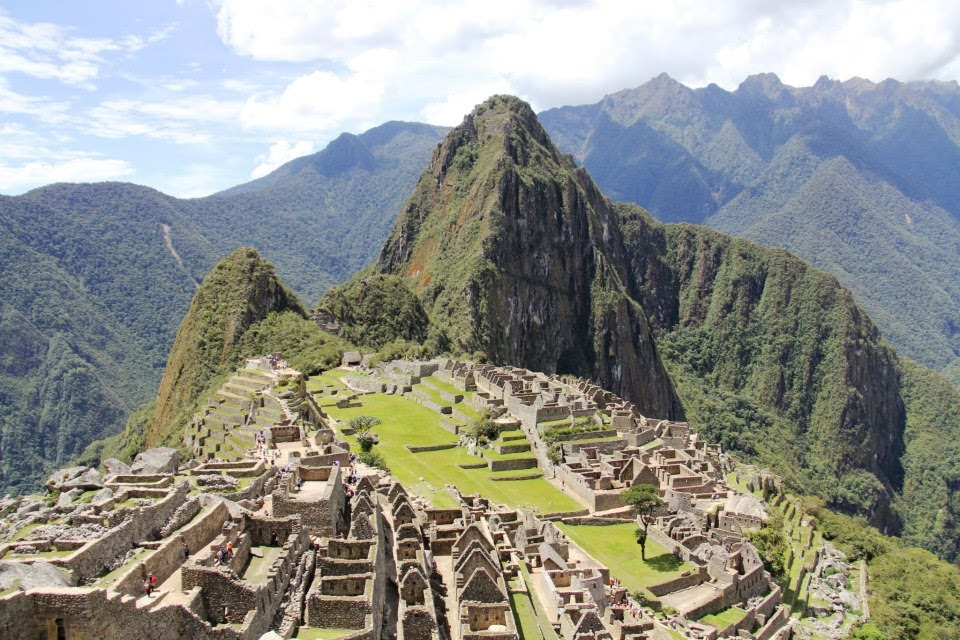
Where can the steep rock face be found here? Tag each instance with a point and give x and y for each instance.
(762, 323)
(240, 291)
(859, 179)
(515, 253)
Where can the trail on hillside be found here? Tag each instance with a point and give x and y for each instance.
(167, 240)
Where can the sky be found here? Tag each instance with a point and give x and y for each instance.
(194, 96)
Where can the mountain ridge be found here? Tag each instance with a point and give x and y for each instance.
(107, 244)
(746, 161)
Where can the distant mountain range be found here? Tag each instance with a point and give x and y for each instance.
(861, 179)
(97, 277)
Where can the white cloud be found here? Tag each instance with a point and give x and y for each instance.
(280, 153)
(322, 100)
(16, 179)
(554, 53)
(177, 120)
(49, 51)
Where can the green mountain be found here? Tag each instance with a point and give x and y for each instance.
(97, 278)
(517, 257)
(860, 179)
(514, 254)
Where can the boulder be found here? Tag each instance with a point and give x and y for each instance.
(102, 496)
(60, 476)
(67, 497)
(9, 505)
(116, 467)
(32, 576)
(89, 479)
(28, 506)
(159, 460)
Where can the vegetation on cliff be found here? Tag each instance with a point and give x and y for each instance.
(239, 292)
(858, 178)
(509, 247)
(769, 356)
(376, 309)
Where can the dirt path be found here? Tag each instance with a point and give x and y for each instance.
(167, 240)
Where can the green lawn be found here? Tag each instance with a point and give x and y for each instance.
(545, 626)
(109, 578)
(258, 568)
(406, 422)
(525, 616)
(616, 547)
(724, 618)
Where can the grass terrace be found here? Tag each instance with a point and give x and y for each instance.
(724, 618)
(406, 422)
(540, 615)
(616, 547)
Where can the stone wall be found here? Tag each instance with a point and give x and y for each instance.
(513, 464)
(94, 557)
(321, 516)
(93, 614)
(692, 579)
(431, 447)
(169, 556)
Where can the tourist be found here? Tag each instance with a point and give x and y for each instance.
(186, 552)
(152, 579)
(147, 588)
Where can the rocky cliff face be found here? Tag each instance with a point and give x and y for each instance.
(516, 254)
(240, 291)
(765, 325)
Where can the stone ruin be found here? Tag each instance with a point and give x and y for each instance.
(311, 547)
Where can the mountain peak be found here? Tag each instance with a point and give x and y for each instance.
(767, 85)
(238, 292)
(515, 253)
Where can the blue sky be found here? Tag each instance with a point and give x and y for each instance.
(194, 96)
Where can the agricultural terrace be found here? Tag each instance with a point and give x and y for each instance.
(405, 422)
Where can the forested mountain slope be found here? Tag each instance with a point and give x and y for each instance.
(97, 278)
(861, 179)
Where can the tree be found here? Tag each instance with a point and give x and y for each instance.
(645, 500)
(363, 430)
(772, 545)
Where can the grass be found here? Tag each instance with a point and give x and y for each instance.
(25, 531)
(406, 422)
(545, 626)
(257, 568)
(616, 547)
(525, 616)
(724, 618)
(108, 579)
